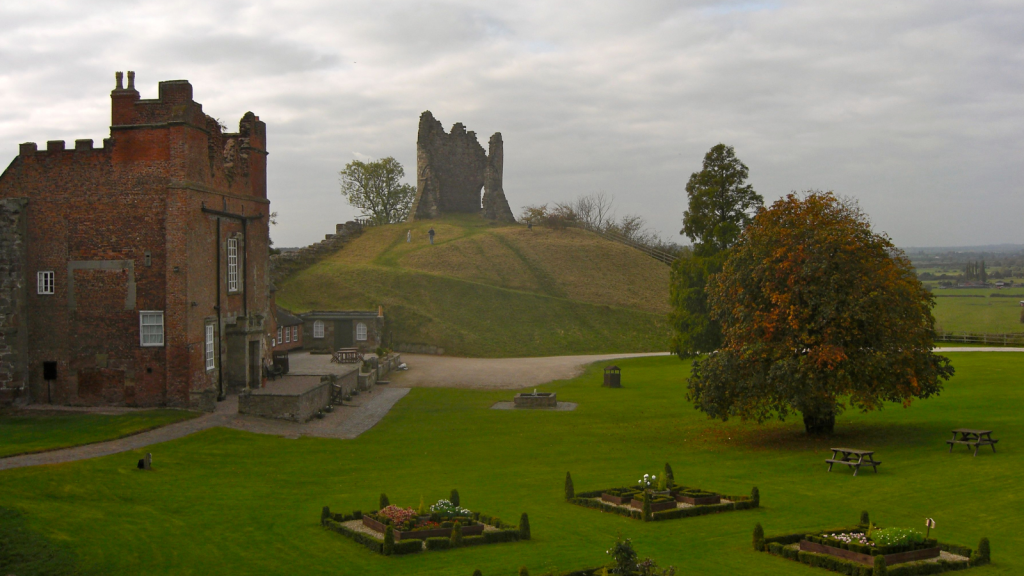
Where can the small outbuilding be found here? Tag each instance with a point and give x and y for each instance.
(327, 331)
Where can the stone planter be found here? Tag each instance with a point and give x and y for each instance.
(703, 501)
(867, 559)
(615, 499)
(536, 400)
(655, 506)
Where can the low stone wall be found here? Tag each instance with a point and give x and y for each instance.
(867, 559)
(539, 400)
(297, 406)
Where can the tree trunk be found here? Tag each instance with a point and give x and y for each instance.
(820, 421)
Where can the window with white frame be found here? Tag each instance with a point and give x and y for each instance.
(295, 333)
(232, 264)
(151, 327)
(360, 331)
(210, 361)
(318, 329)
(279, 338)
(287, 335)
(44, 282)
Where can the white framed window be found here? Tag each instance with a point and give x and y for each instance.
(360, 331)
(44, 282)
(210, 361)
(232, 264)
(287, 335)
(295, 333)
(151, 327)
(279, 338)
(318, 329)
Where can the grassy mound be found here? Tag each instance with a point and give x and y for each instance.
(496, 291)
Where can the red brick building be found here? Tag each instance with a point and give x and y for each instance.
(145, 260)
(289, 331)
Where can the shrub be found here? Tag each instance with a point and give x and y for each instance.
(880, 568)
(647, 508)
(473, 540)
(457, 535)
(624, 556)
(371, 543)
(670, 478)
(896, 536)
(422, 510)
(523, 571)
(524, 527)
(389, 541)
(570, 492)
(500, 536)
(864, 518)
(438, 543)
(454, 497)
(982, 555)
(755, 496)
(410, 546)
(477, 572)
(758, 537)
(325, 514)
(383, 501)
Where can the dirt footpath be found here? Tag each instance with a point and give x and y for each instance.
(427, 371)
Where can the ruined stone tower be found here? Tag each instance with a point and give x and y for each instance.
(451, 168)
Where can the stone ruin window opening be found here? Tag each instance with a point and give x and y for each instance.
(318, 329)
(151, 327)
(44, 282)
(361, 332)
(232, 264)
(211, 362)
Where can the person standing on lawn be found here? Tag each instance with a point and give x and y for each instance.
(431, 234)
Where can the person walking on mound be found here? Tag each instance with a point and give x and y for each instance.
(431, 234)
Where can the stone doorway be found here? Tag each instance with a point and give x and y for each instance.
(342, 334)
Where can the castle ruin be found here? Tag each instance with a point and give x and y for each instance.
(451, 168)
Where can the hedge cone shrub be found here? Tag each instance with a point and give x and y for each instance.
(864, 518)
(477, 572)
(389, 540)
(982, 555)
(523, 571)
(647, 507)
(670, 478)
(758, 537)
(383, 501)
(324, 515)
(524, 527)
(755, 496)
(880, 568)
(454, 498)
(457, 535)
(570, 492)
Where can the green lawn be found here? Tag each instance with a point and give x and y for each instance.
(230, 502)
(25, 431)
(961, 311)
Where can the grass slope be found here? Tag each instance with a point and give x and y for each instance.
(494, 291)
(224, 501)
(24, 431)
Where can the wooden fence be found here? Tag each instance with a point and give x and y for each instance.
(1011, 339)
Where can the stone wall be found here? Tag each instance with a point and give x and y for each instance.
(297, 407)
(285, 264)
(451, 169)
(13, 337)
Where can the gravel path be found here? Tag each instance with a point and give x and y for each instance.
(430, 371)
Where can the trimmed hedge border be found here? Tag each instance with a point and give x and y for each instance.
(593, 500)
(505, 533)
(777, 546)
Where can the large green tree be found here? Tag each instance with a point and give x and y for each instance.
(720, 206)
(376, 188)
(818, 313)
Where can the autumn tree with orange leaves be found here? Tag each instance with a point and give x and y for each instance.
(818, 314)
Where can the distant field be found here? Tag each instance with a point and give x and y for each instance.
(976, 311)
(494, 291)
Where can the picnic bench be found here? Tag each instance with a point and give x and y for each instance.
(346, 356)
(972, 437)
(853, 458)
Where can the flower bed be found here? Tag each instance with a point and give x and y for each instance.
(852, 551)
(628, 501)
(414, 533)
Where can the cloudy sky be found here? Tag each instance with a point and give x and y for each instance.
(915, 108)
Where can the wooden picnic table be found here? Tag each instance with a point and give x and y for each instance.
(972, 437)
(346, 356)
(853, 458)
